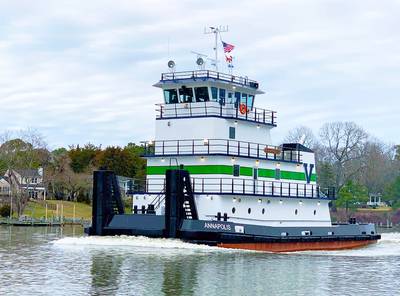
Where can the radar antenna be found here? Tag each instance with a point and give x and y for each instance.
(216, 31)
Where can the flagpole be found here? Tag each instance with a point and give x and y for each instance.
(216, 31)
(216, 49)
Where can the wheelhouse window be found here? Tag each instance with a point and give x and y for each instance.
(214, 93)
(170, 96)
(222, 94)
(243, 99)
(185, 94)
(230, 99)
(237, 97)
(201, 94)
(250, 101)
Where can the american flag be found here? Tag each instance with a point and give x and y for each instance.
(227, 47)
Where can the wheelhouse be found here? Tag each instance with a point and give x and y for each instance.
(208, 86)
(196, 94)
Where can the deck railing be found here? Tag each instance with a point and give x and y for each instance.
(215, 109)
(207, 74)
(220, 147)
(241, 186)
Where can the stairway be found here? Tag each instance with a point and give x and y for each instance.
(189, 205)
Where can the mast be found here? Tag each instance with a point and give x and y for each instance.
(216, 31)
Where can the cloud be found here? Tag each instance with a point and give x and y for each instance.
(83, 71)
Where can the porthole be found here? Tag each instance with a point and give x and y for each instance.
(249, 210)
(268, 202)
(315, 212)
(295, 212)
(263, 211)
(233, 210)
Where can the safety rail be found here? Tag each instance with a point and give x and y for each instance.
(215, 109)
(241, 186)
(206, 74)
(220, 147)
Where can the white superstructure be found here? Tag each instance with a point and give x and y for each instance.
(208, 124)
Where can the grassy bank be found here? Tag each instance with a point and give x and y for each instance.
(56, 208)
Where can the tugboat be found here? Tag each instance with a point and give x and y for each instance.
(214, 177)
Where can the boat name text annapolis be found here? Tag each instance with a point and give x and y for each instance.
(217, 226)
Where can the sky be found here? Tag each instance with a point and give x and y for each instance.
(82, 71)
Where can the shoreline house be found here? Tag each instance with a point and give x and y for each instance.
(4, 186)
(27, 180)
(4, 191)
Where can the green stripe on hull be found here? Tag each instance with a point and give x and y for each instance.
(193, 169)
(228, 170)
(246, 171)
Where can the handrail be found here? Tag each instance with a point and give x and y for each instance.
(215, 109)
(241, 186)
(221, 147)
(209, 74)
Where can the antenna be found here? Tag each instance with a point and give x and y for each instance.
(216, 31)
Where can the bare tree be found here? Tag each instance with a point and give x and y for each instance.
(27, 150)
(303, 135)
(344, 144)
(379, 166)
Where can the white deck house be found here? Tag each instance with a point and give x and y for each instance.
(27, 180)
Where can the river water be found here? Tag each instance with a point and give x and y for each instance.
(55, 261)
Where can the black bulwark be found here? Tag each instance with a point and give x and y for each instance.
(178, 192)
(107, 200)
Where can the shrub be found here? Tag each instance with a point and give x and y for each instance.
(5, 211)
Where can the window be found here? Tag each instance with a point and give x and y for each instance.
(249, 210)
(315, 212)
(232, 132)
(233, 210)
(201, 94)
(230, 99)
(185, 94)
(263, 211)
(277, 174)
(243, 100)
(236, 170)
(170, 96)
(214, 93)
(255, 173)
(250, 101)
(295, 212)
(222, 96)
(237, 98)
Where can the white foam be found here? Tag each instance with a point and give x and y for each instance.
(133, 241)
(388, 245)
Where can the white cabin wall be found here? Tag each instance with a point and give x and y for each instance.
(278, 211)
(211, 128)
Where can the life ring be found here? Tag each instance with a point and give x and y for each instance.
(243, 109)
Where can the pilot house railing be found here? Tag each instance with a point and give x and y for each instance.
(220, 147)
(215, 109)
(208, 74)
